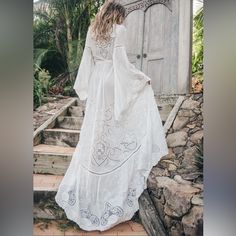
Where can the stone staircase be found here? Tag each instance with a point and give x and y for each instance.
(54, 144)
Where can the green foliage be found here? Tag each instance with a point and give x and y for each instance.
(199, 156)
(60, 29)
(197, 55)
(42, 82)
(37, 93)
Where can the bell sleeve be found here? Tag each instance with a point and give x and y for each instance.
(86, 66)
(128, 80)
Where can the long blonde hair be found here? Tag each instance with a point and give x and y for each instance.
(110, 13)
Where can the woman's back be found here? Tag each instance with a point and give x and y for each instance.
(103, 51)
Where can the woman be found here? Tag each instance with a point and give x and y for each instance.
(122, 136)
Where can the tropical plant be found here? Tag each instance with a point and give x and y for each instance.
(60, 28)
(37, 92)
(199, 156)
(197, 55)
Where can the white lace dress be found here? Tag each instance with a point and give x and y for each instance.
(121, 137)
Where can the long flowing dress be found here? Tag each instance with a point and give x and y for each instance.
(121, 137)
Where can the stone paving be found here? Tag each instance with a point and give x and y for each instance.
(128, 228)
(51, 182)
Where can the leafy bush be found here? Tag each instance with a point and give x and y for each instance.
(44, 80)
(199, 156)
(37, 93)
(42, 83)
(60, 29)
(197, 54)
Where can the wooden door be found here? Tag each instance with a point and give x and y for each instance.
(159, 42)
(156, 59)
(135, 37)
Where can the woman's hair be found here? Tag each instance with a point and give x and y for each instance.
(110, 13)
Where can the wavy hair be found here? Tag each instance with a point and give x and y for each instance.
(110, 13)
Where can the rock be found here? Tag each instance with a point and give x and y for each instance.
(189, 144)
(165, 164)
(186, 129)
(190, 176)
(177, 162)
(170, 150)
(197, 200)
(191, 126)
(194, 130)
(180, 122)
(193, 222)
(190, 104)
(197, 136)
(197, 111)
(168, 162)
(177, 196)
(180, 180)
(200, 186)
(200, 99)
(197, 96)
(178, 138)
(188, 161)
(200, 117)
(176, 229)
(172, 167)
(193, 118)
(179, 155)
(168, 156)
(178, 150)
(185, 113)
(199, 124)
(156, 171)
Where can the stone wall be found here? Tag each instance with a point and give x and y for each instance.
(175, 185)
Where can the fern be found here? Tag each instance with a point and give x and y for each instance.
(199, 156)
(197, 54)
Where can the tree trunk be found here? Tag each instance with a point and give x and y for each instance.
(69, 42)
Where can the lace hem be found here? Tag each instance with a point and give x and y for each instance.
(133, 206)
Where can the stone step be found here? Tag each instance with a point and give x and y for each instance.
(50, 159)
(165, 111)
(45, 188)
(69, 122)
(61, 137)
(75, 111)
(165, 104)
(78, 112)
(46, 183)
(45, 207)
(53, 227)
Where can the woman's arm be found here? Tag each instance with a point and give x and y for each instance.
(84, 72)
(128, 80)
